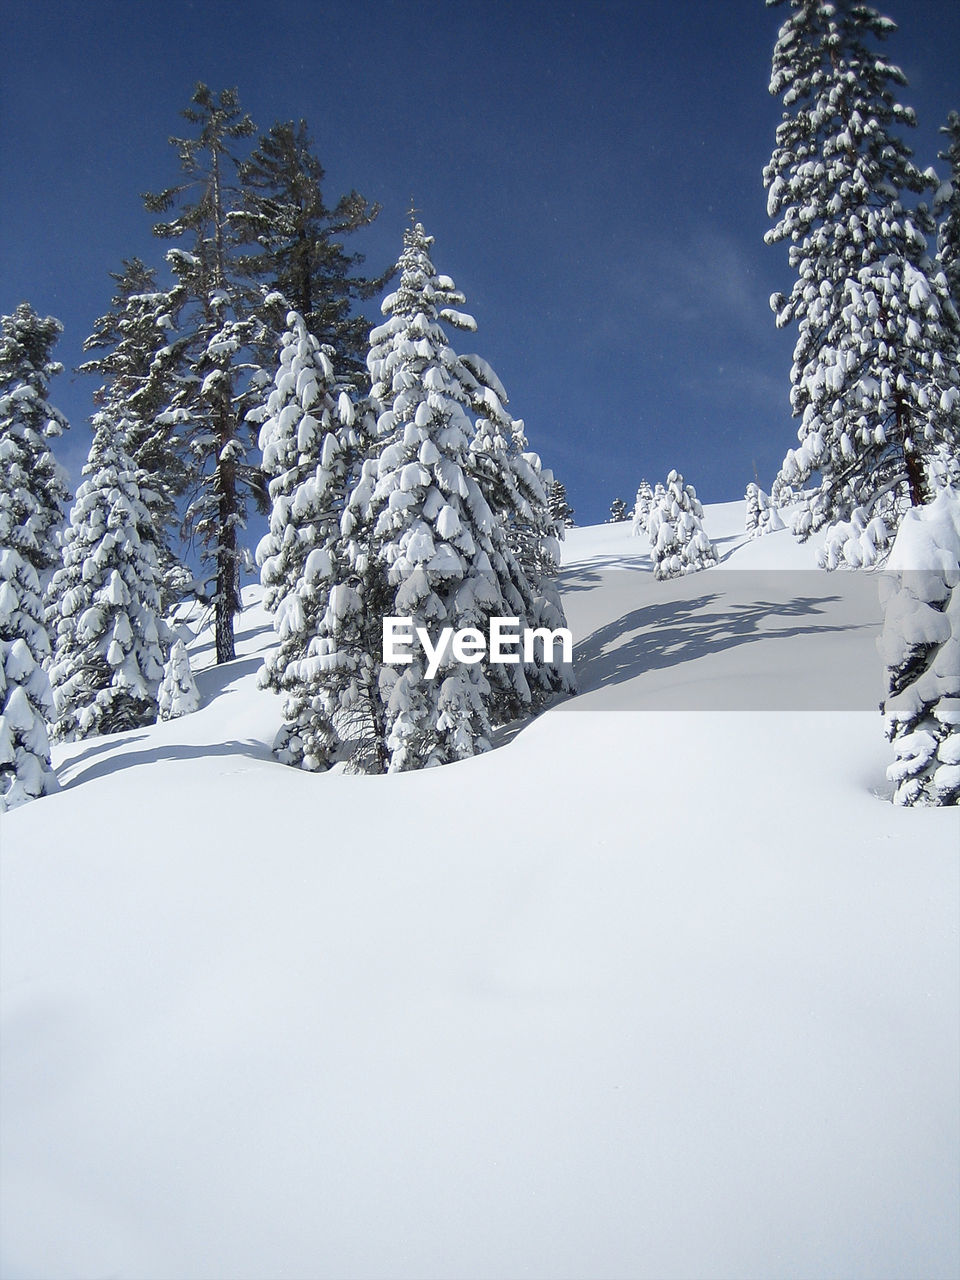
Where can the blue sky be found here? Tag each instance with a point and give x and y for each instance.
(590, 173)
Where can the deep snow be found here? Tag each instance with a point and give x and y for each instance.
(645, 992)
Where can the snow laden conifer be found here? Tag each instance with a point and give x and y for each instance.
(310, 446)
(178, 694)
(641, 508)
(947, 208)
(130, 350)
(874, 379)
(427, 542)
(223, 331)
(618, 511)
(525, 538)
(104, 601)
(676, 533)
(762, 515)
(32, 489)
(920, 646)
(28, 426)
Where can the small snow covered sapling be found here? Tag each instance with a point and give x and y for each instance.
(762, 514)
(920, 645)
(618, 511)
(677, 536)
(178, 695)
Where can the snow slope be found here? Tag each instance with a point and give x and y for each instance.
(646, 992)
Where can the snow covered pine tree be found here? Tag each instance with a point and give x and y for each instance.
(641, 508)
(676, 534)
(310, 449)
(920, 645)
(32, 490)
(178, 694)
(874, 374)
(425, 543)
(104, 601)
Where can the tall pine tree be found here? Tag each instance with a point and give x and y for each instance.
(293, 242)
(874, 375)
(213, 370)
(32, 490)
(131, 352)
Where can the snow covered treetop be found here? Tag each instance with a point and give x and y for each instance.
(421, 289)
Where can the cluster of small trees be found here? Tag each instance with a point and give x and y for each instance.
(671, 516)
(421, 503)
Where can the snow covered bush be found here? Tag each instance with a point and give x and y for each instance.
(762, 514)
(178, 694)
(104, 601)
(677, 537)
(920, 646)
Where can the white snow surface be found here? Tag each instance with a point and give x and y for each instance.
(642, 993)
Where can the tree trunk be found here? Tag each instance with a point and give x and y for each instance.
(228, 602)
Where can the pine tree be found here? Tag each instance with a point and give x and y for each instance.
(104, 601)
(310, 449)
(32, 489)
(29, 423)
(560, 509)
(299, 250)
(213, 370)
(920, 645)
(525, 538)
(131, 354)
(618, 511)
(641, 508)
(677, 537)
(874, 378)
(947, 206)
(178, 694)
(762, 514)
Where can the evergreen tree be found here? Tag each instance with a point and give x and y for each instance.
(131, 354)
(104, 601)
(560, 509)
(947, 205)
(874, 375)
(32, 489)
(525, 538)
(618, 511)
(178, 694)
(920, 645)
(310, 448)
(299, 241)
(762, 514)
(641, 508)
(677, 537)
(28, 423)
(213, 369)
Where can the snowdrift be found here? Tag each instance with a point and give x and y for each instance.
(662, 987)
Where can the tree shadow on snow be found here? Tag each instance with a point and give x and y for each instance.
(250, 750)
(584, 577)
(663, 635)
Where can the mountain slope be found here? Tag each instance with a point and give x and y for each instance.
(662, 987)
